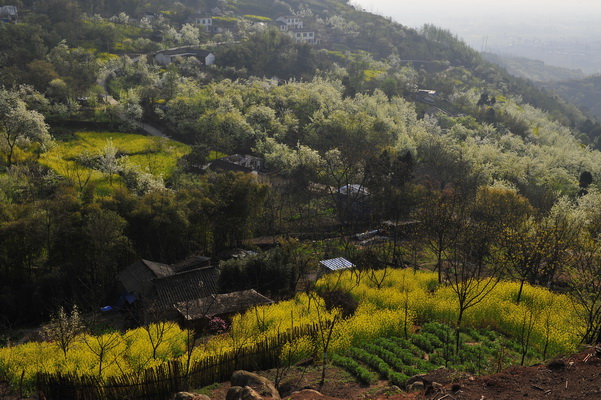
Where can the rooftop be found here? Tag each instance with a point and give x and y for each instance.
(337, 264)
(219, 304)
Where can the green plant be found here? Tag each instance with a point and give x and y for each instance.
(362, 374)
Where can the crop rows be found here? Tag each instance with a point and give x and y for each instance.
(397, 359)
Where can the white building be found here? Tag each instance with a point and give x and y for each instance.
(204, 20)
(304, 35)
(166, 57)
(289, 22)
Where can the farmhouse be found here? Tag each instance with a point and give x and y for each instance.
(154, 288)
(166, 57)
(304, 35)
(204, 19)
(149, 16)
(288, 22)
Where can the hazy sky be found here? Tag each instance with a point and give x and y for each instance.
(418, 12)
(508, 26)
(471, 18)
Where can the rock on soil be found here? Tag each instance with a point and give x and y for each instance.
(577, 377)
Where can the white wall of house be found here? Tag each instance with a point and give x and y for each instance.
(206, 22)
(210, 59)
(306, 36)
(166, 59)
(292, 22)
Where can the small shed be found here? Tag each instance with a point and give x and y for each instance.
(335, 264)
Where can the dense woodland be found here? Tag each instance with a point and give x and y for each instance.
(500, 177)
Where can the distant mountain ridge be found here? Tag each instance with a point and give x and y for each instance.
(534, 70)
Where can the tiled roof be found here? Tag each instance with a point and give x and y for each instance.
(220, 304)
(335, 264)
(186, 286)
(185, 52)
(137, 277)
(159, 270)
(191, 263)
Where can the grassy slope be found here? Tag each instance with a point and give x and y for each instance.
(155, 155)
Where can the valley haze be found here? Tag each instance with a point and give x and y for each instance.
(565, 34)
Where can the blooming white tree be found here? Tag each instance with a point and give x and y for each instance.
(20, 127)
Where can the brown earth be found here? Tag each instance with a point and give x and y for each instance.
(571, 378)
(576, 377)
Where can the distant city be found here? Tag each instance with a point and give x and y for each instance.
(569, 47)
(562, 36)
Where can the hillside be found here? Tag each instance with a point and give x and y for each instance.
(534, 70)
(460, 205)
(581, 92)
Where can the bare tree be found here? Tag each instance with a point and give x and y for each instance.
(530, 317)
(333, 304)
(102, 346)
(77, 171)
(441, 216)
(470, 282)
(584, 274)
(157, 334)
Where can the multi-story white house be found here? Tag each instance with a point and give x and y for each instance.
(289, 22)
(205, 20)
(304, 35)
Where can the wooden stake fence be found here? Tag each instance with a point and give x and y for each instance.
(161, 382)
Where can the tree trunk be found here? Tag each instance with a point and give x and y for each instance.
(520, 291)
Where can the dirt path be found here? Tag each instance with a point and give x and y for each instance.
(151, 130)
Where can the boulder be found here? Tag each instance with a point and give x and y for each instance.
(234, 393)
(261, 385)
(189, 396)
(242, 393)
(249, 394)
